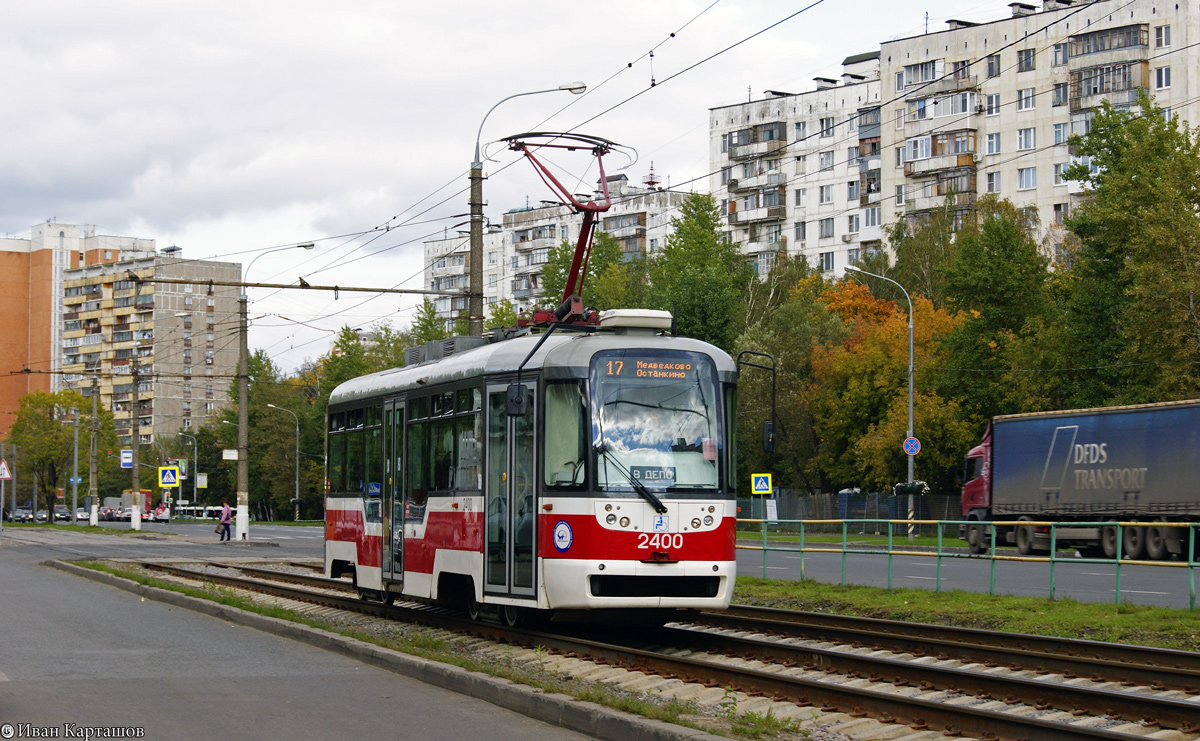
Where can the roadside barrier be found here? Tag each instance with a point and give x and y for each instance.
(798, 529)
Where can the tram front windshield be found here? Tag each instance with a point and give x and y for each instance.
(655, 421)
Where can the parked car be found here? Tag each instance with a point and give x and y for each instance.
(81, 514)
(22, 514)
(41, 516)
(126, 514)
(62, 513)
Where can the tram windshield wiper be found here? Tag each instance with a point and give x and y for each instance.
(638, 486)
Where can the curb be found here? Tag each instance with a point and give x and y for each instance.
(553, 708)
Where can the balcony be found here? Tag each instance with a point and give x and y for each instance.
(938, 163)
(544, 243)
(743, 151)
(522, 292)
(866, 164)
(928, 203)
(870, 195)
(1119, 98)
(942, 87)
(768, 213)
(637, 230)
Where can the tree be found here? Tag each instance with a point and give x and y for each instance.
(427, 325)
(606, 251)
(924, 250)
(699, 275)
(387, 346)
(501, 314)
(622, 285)
(46, 441)
(1135, 294)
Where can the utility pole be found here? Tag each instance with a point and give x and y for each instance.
(75, 473)
(475, 256)
(243, 467)
(94, 462)
(135, 421)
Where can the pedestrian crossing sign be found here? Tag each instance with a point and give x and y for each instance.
(760, 484)
(168, 476)
(5, 474)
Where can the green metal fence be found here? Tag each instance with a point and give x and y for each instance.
(901, 529)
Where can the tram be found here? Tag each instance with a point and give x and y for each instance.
(565, 474)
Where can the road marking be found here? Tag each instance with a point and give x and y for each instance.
(927, 578)
(781, 568)
(3, 677)
(1096, 573)
(1134, 591)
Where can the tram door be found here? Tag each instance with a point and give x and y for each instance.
(510, 545)
(393, 494)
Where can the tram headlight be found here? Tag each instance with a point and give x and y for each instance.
(611, 519)
(624, 522)
(711, 508)
(708, 520)
(608, 508)
(696, 523)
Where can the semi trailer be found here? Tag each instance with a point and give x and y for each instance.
(1087, 470)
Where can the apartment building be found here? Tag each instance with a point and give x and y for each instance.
(31, 301)
(514, 253)
(799, 173)
(987, 108)
(179, 339)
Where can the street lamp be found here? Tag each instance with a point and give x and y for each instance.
(475, 297)
(195, 467)
(911, 509)
(296, 517)
(243, 480)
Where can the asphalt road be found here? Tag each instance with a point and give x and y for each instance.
(83, 653)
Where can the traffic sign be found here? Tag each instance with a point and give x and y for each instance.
(912, 445)
(5, 474)
(126, 459)
(76, 480)
(760, 484)
(168, 476)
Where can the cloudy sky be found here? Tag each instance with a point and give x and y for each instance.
(229, 128)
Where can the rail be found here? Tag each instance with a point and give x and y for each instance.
(940, 552)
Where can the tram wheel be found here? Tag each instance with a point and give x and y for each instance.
(1156, 544)
(1135, 543)
(513, 616)
(472, 607)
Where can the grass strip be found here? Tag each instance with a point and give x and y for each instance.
(1141, 625)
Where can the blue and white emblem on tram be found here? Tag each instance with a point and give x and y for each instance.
(563, 537)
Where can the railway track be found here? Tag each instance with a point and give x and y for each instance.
(756, 654)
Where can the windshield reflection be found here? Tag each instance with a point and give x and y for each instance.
(655, 421)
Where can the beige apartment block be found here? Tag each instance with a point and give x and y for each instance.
(798, 174)
(987, 108)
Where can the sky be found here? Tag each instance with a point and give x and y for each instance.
(233, 128)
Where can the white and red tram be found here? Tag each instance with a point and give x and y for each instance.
(612, 489)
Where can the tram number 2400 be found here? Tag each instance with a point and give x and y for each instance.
(660, 540)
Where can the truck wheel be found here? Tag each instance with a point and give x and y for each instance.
(1025, 540)
(1156, 544)
(1108, 541)
(977, 539)
(1135, 543)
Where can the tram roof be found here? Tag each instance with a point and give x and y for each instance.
(565, 355)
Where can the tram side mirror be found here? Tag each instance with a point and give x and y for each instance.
(768, 437)
(517, 395)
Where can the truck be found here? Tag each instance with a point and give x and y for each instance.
(1083, 469)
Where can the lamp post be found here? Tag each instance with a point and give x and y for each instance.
(296, 500)
(243, 469)
(911, 502)
(475, 297)
(195, 466)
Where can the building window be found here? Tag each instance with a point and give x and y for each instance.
(826, 227)
(899, 156)
(801, 197)
(993, 182)
(960, 70)
(187, 300)
(1162, 36)
(187, 424)
(826, 160)
(873, 216)
(769, 197)
(899, 81)
(825, 194)
(1162, 78)
(1025, 60)
(210, 302)
(1060, 54)
(899, 195)
(993, 104)
(852, 223)
(993, 144)
(852, 190)
(801, 164)
(852, 122)
(775, 233)
(1026, 138)
(801, 230)
(749, 170)
(1058, 174)
(1060, 93)
(825, 262)
(801, 130)
(852, 255)
(1061, 132)
(827, 126)
(852, 156)
(993, 65)
(919, 149)
(1025, 99)
(208, 357)
(1026, 178)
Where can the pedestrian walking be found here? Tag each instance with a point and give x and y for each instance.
(226, 518)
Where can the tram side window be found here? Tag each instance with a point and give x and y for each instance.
(418, 462)
(354, 461)
(468, 473)
(374, 486)
(337, 462)
(566, 441)
(442, 454)
(731, 422)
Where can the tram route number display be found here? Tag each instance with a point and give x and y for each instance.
(668, 369)
(660, 540)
